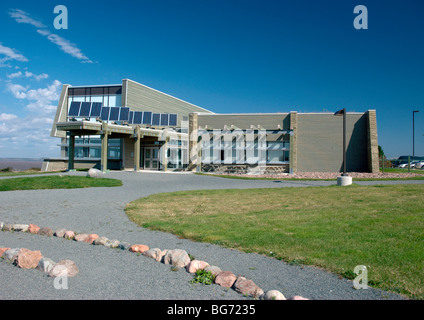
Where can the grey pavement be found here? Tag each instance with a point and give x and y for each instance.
(116, 274)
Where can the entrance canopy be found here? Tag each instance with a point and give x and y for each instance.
(131, 133)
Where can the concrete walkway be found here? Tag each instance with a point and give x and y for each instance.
(116, 274)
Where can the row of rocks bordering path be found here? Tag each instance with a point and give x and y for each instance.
(28, 259)
(177, 258)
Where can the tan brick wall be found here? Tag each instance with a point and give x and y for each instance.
(372, 141)
(128, 153)
(192, 143)
(293, 143)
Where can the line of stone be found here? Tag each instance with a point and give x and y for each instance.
(177, 258)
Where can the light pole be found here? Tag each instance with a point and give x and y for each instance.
(413, 131)
(338, 113)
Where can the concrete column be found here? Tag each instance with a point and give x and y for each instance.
(192, 142)
(165, 154)
(137, 139)
(293, 143)
(71, 152)
(104, 137)
(372, 142)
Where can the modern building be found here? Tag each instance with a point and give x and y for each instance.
(130, 126)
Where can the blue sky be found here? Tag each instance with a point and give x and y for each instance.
(227, 56)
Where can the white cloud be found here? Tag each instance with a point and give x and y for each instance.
(37, 77)
(27, 74)
(64, 44)
(40, 100)
(15, 75)
(11, 54)
(17, 90)
(7, 116)
(35, 140)
(22, 17)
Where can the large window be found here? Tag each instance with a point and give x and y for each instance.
(89, 147)
(243, 147)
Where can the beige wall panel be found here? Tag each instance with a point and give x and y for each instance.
(320, 143)
(142, 98)
(245, 121)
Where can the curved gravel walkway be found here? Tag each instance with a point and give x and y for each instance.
(117, 274)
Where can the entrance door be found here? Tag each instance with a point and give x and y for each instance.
(151, 158)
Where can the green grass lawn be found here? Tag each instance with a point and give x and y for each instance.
(336, 228)
(56, 182)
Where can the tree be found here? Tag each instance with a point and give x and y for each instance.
(380, 152)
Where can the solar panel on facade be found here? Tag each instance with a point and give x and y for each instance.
(147, 117)
(173, 120)
(164, 119)
(125, 114)
(105, 113)
(114, 114)
(156, 119)
(85, 109)
(74, 109)
(137, 117)
(96, 108)
(130, 120)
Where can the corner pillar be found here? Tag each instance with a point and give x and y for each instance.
(71, 152)
(293, 143)
(372, 142)
(137, 138)
(104, 136)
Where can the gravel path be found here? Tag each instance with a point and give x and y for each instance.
(117, 274)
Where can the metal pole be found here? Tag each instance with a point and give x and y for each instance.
(413, 133)
(344, 141)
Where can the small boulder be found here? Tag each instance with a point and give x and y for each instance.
(112, 244)
(3, 250)
(100, 241)
(91, 237)
(46, 231)
(273, 295)
(60, 233)
(154, 253)
(64, 268)
(247, 287)
(124, 246)
(45, 265)
(177, 258)
(195, 265)
(69, 235)
(297, 298)
(81, 237)
(28, 259)
(20, 227)
(94, 173)
(213, 269)
(33, 228)
(7, 227)
(10, 255)
(139, 248)
(225, 279)
(1, 225)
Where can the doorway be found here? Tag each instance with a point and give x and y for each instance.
(151, 158)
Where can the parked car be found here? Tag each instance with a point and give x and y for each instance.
(403, 165)
(419, 165)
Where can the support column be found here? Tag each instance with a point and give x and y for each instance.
(165, 154)
(192, 143)
(137, 139)
(293, 143)
(372, 142)
(104, 136)
(71, 152)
